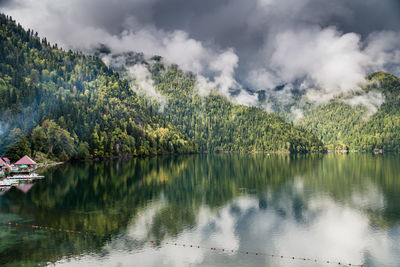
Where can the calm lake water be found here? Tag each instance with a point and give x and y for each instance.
(332, 207)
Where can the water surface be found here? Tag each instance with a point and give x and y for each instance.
(332, 207)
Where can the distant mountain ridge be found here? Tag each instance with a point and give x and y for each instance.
(212, 121)
(338, 124)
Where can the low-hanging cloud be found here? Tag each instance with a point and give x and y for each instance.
(3, 128)
(145, 85)
(322, 49)
(371, 101)
(133, 66)
(329, 60)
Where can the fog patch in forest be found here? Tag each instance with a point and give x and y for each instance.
(3, 128)
(144, 85)
(371, 101)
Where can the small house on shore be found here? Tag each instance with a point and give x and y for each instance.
(26, 164)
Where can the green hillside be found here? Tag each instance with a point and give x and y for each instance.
(69, 105)
(342, 126)
(63, 104)
(214, 122)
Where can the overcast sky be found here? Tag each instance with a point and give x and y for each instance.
(318, 45)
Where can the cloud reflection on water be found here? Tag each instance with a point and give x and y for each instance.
(287, 222)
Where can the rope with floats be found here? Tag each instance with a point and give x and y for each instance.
(181, 245)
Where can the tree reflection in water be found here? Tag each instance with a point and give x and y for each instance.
(335, 206)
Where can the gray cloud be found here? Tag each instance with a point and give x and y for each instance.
(315, 46)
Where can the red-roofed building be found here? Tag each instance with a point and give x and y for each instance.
(6, 160)
(2, 163)
(27, 161)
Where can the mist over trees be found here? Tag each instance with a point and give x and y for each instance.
(343, 126)
(66, 105)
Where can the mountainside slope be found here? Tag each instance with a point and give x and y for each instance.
(79, 106)
(342, 126)
(213, 121)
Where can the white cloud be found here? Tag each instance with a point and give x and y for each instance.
(383, 48)
(3, 128)
(144, 84)
(371, 101)
(332, 61)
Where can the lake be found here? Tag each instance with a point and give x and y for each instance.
(216, 208)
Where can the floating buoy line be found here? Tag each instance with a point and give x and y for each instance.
(182, 245)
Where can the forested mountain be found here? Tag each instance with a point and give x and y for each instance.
(63, 104)
(66, 104)
(217, 124)
(212, 121)
(342, 126)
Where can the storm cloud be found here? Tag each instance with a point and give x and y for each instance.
(322, 48)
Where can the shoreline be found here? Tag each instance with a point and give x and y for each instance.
(224, 152)
(375, 152)
(43, 165)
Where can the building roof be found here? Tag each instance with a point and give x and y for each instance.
(24, 188)
(2, 162)
(6, 160)
(25, 161)
(6, 166)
